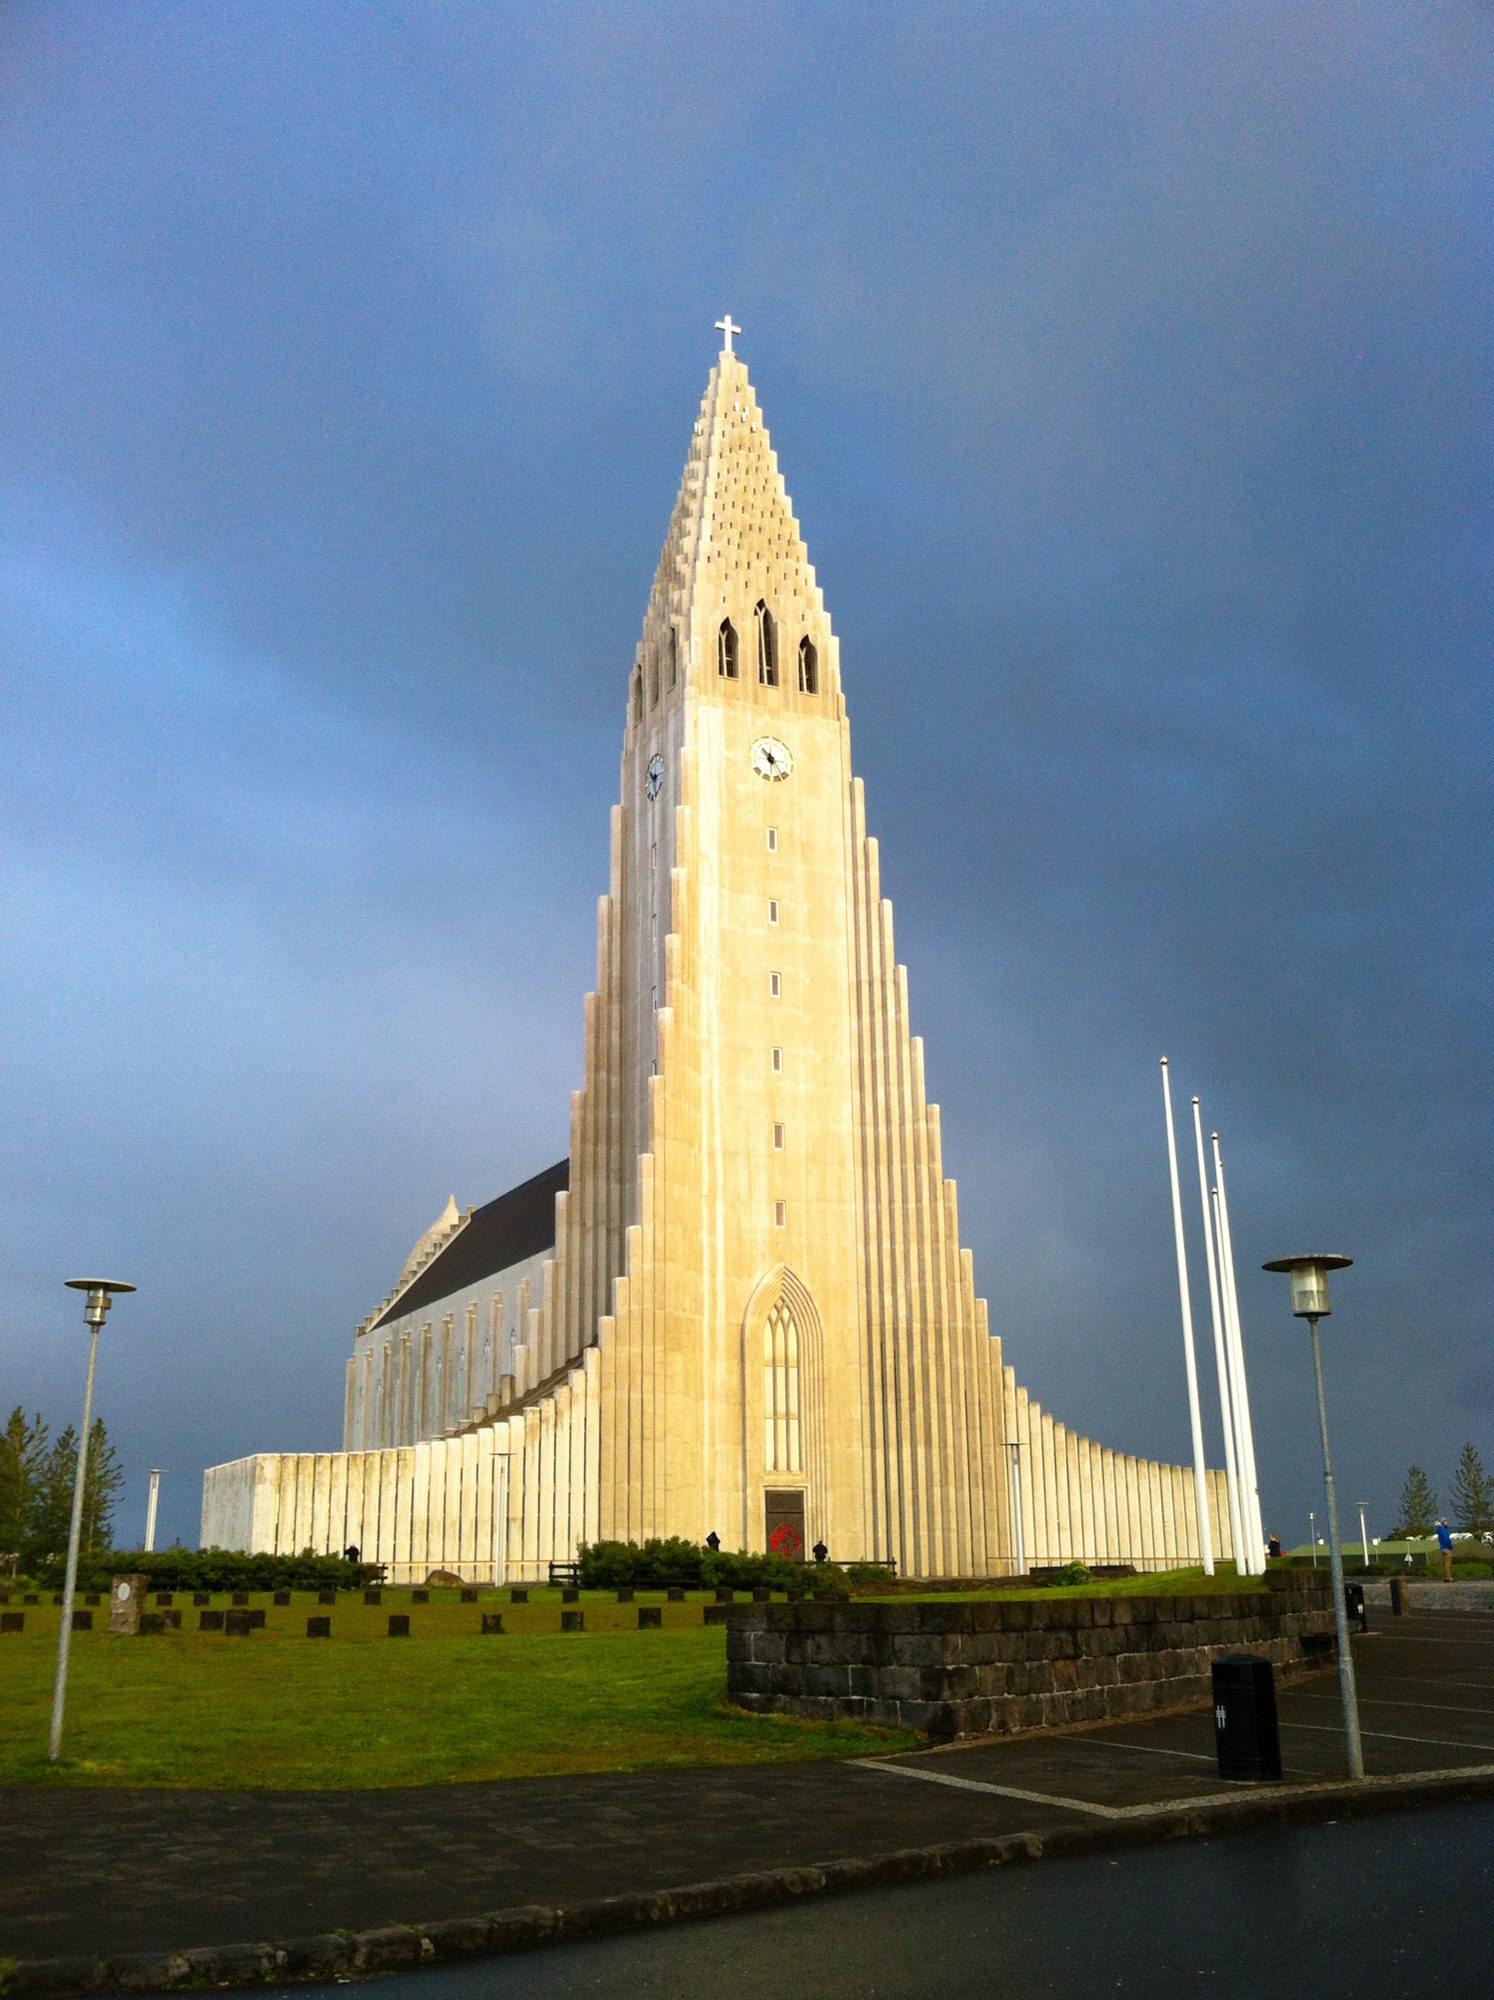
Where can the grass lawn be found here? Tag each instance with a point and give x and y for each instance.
(1164, 1583)
(281, 1712)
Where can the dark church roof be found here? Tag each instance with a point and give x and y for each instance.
(517, 1225)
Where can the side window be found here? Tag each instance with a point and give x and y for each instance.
(726, 650)
(674, 656)
(809, 667)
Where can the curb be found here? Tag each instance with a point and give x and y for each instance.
(347, 1955)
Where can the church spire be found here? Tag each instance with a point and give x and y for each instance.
(733, 545)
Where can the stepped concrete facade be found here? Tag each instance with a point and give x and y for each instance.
(741, 1304)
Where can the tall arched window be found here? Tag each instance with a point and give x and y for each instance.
(781, 1450)
(674, 655)
(726, 650)
(767, 645)
(809, 667)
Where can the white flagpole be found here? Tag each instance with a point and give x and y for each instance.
(1200, 1478)
(1250, 1498)
(1243, 1565)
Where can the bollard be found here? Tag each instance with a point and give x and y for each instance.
(762, 1597)
(1245, 1734)
(1400, 1596)
(241, 1597)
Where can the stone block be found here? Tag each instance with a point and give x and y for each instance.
(83, 1620)
(768, 1648)
(420, 1597)
(826, 1680)
(573, 1621)
(738, 1644)
(210, 1621)
(241, 1597)
(570, 1594)
(1016, 1617)
(399, 1625)
(715, 1614)
(319, 1628)
(518, 1595)
(152, 1624)
(674, 1594)
(650, 1617)
(625, 1595)
(919, 1649)
(282, 1597)
(747, 1679)
(12, 1621)
(901, 1683)
(492, 1621)
(256, 1618)
(373, 1597)
(726, 1597)
(201, 1597)
(934, 1718)
(326, 1597)
(467, 1594)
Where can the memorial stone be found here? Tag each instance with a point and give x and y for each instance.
(573, 1621)
(492, 1621)
(12, 1621)
(650, 1617)
(210, 1621)
(319, 1628)
(399, 1625)
(238, 1624)
(126, 1604)
(282, 1597)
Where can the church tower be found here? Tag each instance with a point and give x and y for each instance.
(741, 1306)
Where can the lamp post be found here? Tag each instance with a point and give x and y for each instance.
(100, 1296)
(1309, 1279)
(1363, 1531)
(1312, 1536)
(150, 1509)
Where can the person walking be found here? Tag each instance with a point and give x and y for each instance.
(1444, 1544)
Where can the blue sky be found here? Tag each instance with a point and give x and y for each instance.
(1128, 366)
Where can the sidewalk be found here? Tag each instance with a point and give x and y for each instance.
(90, 1875)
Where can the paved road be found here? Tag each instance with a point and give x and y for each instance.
(121, 1870)
(1384, 1909)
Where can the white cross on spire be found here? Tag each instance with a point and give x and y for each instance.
(726, 328)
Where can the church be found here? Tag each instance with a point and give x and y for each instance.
(740, 1305)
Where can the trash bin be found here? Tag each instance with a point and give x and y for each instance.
(1354, 1604)
(1245, 1734)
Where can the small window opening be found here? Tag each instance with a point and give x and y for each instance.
(809, 667)
(772, 840)
(777, 1138)
(767, 645)
(780, 1214)
(674, 656)
(773, 911)
(778, 1060)
(726, 650)
(775, 985)
(638, 697)
(653, 683)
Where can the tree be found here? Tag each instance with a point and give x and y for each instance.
(23, 1453)
(50, 1515)
(1473, 1494)
(1418, 1504)
(101, 1489)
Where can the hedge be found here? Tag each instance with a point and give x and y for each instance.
(219, 1570)
(662, 1564)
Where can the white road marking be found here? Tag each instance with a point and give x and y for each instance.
(1387, 1736)
(1394, 1701)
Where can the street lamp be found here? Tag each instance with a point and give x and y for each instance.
(100, 1296)
(1309, 1280)
(1312, 1536)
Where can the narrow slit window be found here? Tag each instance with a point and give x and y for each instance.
(674, 656)
(809, 667)
(773, 911)
(638, 697)
(778, 1061)
(775, 985)
(777, 1138)
(781, 1420)
(780, 1214)
(767, 645)
(653, 683)
(772, 840)
(726, 650)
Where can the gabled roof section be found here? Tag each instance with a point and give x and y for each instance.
(516, 1225)
(733, 534)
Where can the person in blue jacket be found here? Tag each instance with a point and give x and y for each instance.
(1444, 1544)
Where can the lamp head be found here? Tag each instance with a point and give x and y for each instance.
(100, 1296)
(1309, 1276)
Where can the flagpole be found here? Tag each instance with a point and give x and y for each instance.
(1250, 1499)
(1200, 1477)
(1243, 1565)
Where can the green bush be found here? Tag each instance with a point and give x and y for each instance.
(1074, 1572)
(661, 1565)
(218, 1570)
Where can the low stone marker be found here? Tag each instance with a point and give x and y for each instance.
(373, 1597)
(469, 1595)
(674, 1594)
(241, 1597)
(82, 1621)
(570, 1595)
(164, 1600)
(492, 1621)
(210, 1621)
(573, 1621)
(650, 1616)
(726, 1597)
(93, 1597)
(12, 1621)
(518, 1596)
(201, 1597)
(238, 1624)
(713, 1614)
(126, 1603)
(762, 1597)
(30, 1598)
(57, 1597)
(153, 1623)
(326, 1597)
(625, 1595)
(319, 1628)
(399, 1624)
(256, 1619)
(282, 1597)
(420, 1597)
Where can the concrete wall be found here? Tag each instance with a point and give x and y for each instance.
(994, 1667)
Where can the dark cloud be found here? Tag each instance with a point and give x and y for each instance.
(1129, 371)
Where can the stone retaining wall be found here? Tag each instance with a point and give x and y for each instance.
(996, 1667)
(1430, 1593)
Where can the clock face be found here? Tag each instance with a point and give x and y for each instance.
(771, 759)
(655, 776)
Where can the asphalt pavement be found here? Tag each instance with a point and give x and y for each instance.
(99, 1872)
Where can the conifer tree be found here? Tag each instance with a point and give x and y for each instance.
(49, 1518)
(1418, 1504)
(23, 1455)
(1472, 1494)
(101, 1489)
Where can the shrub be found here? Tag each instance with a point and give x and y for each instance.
(659, 1565)
(218, 1570)
(1073, 1572)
